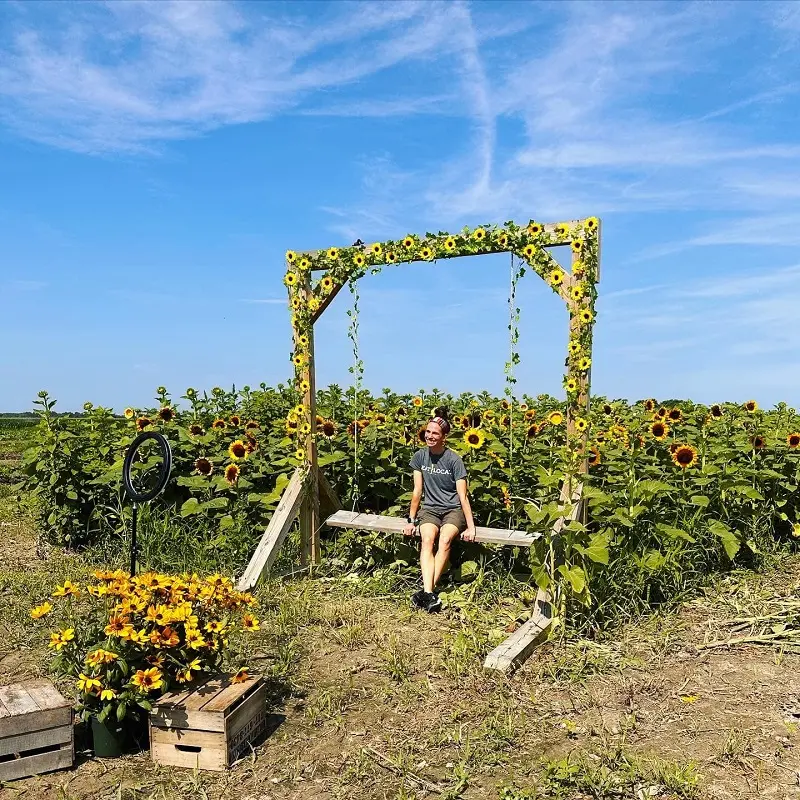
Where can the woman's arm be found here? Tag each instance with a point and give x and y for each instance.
(416, 496)
(461, 487)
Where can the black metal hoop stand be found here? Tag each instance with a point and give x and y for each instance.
(145, 497)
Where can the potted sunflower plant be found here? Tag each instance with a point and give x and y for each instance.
(125, 640)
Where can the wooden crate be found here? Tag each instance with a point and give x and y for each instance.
(210, 725)
(36, 733)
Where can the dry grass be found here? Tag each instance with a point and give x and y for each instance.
(375, 700)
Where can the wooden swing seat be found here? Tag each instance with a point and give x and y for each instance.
(376, 522)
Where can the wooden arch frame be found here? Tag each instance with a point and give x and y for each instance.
(309, 299)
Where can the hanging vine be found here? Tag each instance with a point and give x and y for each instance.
(517, 271)
(357, 371)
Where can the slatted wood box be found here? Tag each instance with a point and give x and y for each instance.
(36, 733)
(210, 725)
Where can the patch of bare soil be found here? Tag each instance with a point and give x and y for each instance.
(373, 700)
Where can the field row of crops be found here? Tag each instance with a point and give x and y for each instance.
(675, 489)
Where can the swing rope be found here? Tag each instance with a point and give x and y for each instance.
(511, 380)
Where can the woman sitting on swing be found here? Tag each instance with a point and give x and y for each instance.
(440, 482)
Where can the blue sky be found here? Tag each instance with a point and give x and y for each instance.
(157, 159)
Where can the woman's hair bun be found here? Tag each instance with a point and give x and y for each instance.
(442, 411)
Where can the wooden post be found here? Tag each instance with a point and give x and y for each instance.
(583, 378)
(309, 510)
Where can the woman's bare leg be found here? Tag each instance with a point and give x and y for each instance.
(446, 536)
(427, 561)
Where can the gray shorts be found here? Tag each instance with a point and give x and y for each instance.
(443, 516)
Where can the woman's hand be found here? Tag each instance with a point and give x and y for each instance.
(409, 529)
(469, 534)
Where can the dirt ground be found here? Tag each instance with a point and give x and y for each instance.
(373, 700)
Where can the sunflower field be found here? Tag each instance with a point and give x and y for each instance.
(675, 490)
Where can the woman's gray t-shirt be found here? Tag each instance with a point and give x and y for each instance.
(439, 476)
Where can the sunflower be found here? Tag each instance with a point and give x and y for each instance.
(533, 429)
(417, 402)
(684, 456)
(793, 440)
(479, 234)
(204, 466)
(237, 449)
(142, 423)
(505, 421)
(674, 415)
(333, 253)
(607, 409)
(649, 405)
(241, 676)
(291, 425)
(584, 364)
(586, 316)
(426, 253)
(502, 240)
(391, 258)
(326, 283)
(303, 386)
(716, 411)
(235, 420)
(129, 413)
(232, 474)
(534, 228)
(591, 224)
(659, 431)
(562, 229)
(290, 279)
(578, 268)
(474, 438)
(219, 424)
(466, 422)
(555, 417)
(328, 429)
(488, 414)
(574, 347)
(594, 457)
(351, 430)
(421, 433)
(530, 414)
(377, 248)
(304, 264)
(757, 441)
(359, 260)
(196, 430)
(300, 454)
(450, 244)
(576, 292)
(556, 277)
(408, 242)
(147, 680)
(296, 303)
(251, 445)
(300, 359)
(529, 250)
(571, 385)
(291, 256)
(580, 424)
(751, 406)
(577, 246)
(661, 413)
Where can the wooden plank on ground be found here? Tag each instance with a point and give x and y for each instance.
(514, 651)
(377, 522)
(270, 544)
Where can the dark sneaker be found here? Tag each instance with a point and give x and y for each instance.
(419, 599)
(434, 604)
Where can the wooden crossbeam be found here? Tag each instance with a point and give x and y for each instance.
(548, 227)
(376, 522)
(514, 651)
(270, 544)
